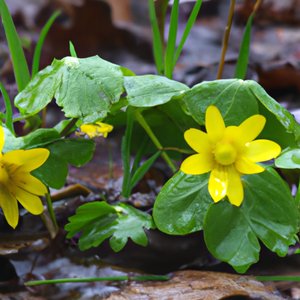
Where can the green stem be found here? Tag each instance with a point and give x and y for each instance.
(94, 279)
(52, 223)
(154, 139)
(225, 39)
(68, 127)
(278, 278)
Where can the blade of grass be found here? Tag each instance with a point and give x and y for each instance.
(125, 153)
(243, 58)
(139, 117)
(72, 49)
(171, 43)
(41, 40)
(143, 169)
(19, 62)
(138, 155)
(8, 109)
(157, 38)
(191, 20)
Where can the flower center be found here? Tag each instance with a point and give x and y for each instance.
(4, 177)
(225, 154)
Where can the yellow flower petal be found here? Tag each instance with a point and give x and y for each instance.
(2, 138)
(245, 166)
(214, 123)
(262, 150)
(235, 190)
(29, 160)
(218, 183)
(97, 129)
(197, 164)
(9, 206)
(197, 140)
(30, 202)
(29, 183)
(252, 127)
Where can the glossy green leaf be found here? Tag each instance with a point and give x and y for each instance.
(284, 122)
(182, 203)
(63, 152)
(267, 214)
(231, 96)
(99, 221)
(84, 88)
(151, 90)
(238, 100)
(40, 138)
(289, 159)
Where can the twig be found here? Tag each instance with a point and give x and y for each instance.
(225, 39)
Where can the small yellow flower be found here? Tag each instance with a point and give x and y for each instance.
(97, 129)
(228, 153)
(17, 184)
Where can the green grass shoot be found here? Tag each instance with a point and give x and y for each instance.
(40, 43)
(19, 62)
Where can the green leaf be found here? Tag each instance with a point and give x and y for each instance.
(151, 90)
(39, 92)
(15, 48)
(84, 88)
(287, 129)
(242, 62)
(182, 203)
(289, 159)
(231, 96)
(99, 221)
(40, 137)
(94, 221)
(130, 224)
(268, 213)
(63, 152)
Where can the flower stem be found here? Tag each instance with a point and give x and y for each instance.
(226, 38)
(154, 139)
(66, 130)
(93, 279)
(51, 225)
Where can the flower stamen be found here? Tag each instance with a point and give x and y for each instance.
(225, 154)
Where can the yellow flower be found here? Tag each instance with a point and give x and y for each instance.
(97, 129)
(228, 153)
(17, 184)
